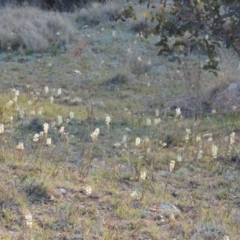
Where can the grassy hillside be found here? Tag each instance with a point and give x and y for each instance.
(102, 139)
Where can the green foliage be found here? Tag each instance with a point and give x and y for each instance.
(200, 25)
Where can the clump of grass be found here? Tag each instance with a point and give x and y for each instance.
(208, 231)
(33, 29)
(98, 13)
(35, 188)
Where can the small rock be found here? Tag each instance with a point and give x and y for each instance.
(169, 208)
(99, 104)
(78, 237)
(62, 191)
(128, 130)
(77, 72)
(76, 101)
(65, 99)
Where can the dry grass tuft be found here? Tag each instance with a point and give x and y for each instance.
(98, 13)
(33, 29)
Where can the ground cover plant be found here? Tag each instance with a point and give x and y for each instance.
(106, 140)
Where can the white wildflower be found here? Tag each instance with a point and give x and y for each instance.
(163, 144)
(108, 120)
(198, 138)
(59, 120)
(157, 113)
(49, 141)
(45, 127)
(178, 114)
(214, 111)
(61, 131)
(94, 135)
(187, 136)
(1, 128)
(46, 89)
(232, 138)
(214, 151)
(134, 194)
(157, 121)
(71, 115)
(188, 130)
(9, 103)
(137, 142)
(88, 190)
(28, 220)
(149, 121)
(16, 93)
(59, 91)
(36, 137)
(172, 165)
(179, 157)
(200, 154)
(20, 146)
(51, 99)
(143, 175)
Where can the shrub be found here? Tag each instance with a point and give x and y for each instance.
(57, 5)
(98, 13)
(33, 29)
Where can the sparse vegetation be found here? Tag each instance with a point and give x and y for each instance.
(107, 140)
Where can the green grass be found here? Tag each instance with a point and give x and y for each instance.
(50, 181)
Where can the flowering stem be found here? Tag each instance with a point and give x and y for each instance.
(20, 155)
(168, 180)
